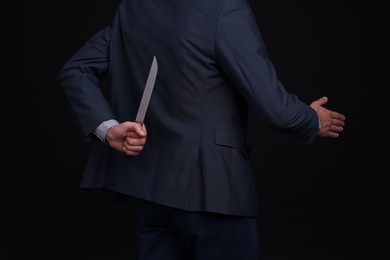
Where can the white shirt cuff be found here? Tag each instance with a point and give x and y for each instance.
(101, 130)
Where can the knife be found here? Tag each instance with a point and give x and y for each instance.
(147, 92)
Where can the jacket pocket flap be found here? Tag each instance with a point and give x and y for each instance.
(232, 140)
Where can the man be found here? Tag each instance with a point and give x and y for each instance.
(187, 164)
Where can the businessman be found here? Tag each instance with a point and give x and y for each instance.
(186, 164)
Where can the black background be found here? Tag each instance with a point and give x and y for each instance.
(324, 201)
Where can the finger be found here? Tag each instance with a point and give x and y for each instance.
(336, 129)
(135, 135)
(132, 150)
(140, 129)
(131, 153)
(135, 127)
(134, 141)
(333, 135)
(136, 130)
(338, 122)
(337, 115)
(143, 128)
(330, 131)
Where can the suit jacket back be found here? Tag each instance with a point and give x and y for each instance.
(212, 65)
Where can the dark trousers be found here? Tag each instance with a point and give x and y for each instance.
(174, 234)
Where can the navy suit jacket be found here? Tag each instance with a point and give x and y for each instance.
(212, 65)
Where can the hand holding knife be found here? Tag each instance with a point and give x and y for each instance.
(147, 93)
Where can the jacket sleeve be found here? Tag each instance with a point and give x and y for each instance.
(241, 52)
(80, 80)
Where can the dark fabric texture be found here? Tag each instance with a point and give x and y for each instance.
(212, 65)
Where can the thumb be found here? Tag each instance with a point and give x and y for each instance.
(140, 129)
(136, 127)
(319, 102)
(322, 101)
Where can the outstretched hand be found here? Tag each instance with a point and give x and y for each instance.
(331, 122)
(127, 137)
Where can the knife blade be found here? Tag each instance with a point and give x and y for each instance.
(148, 90)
